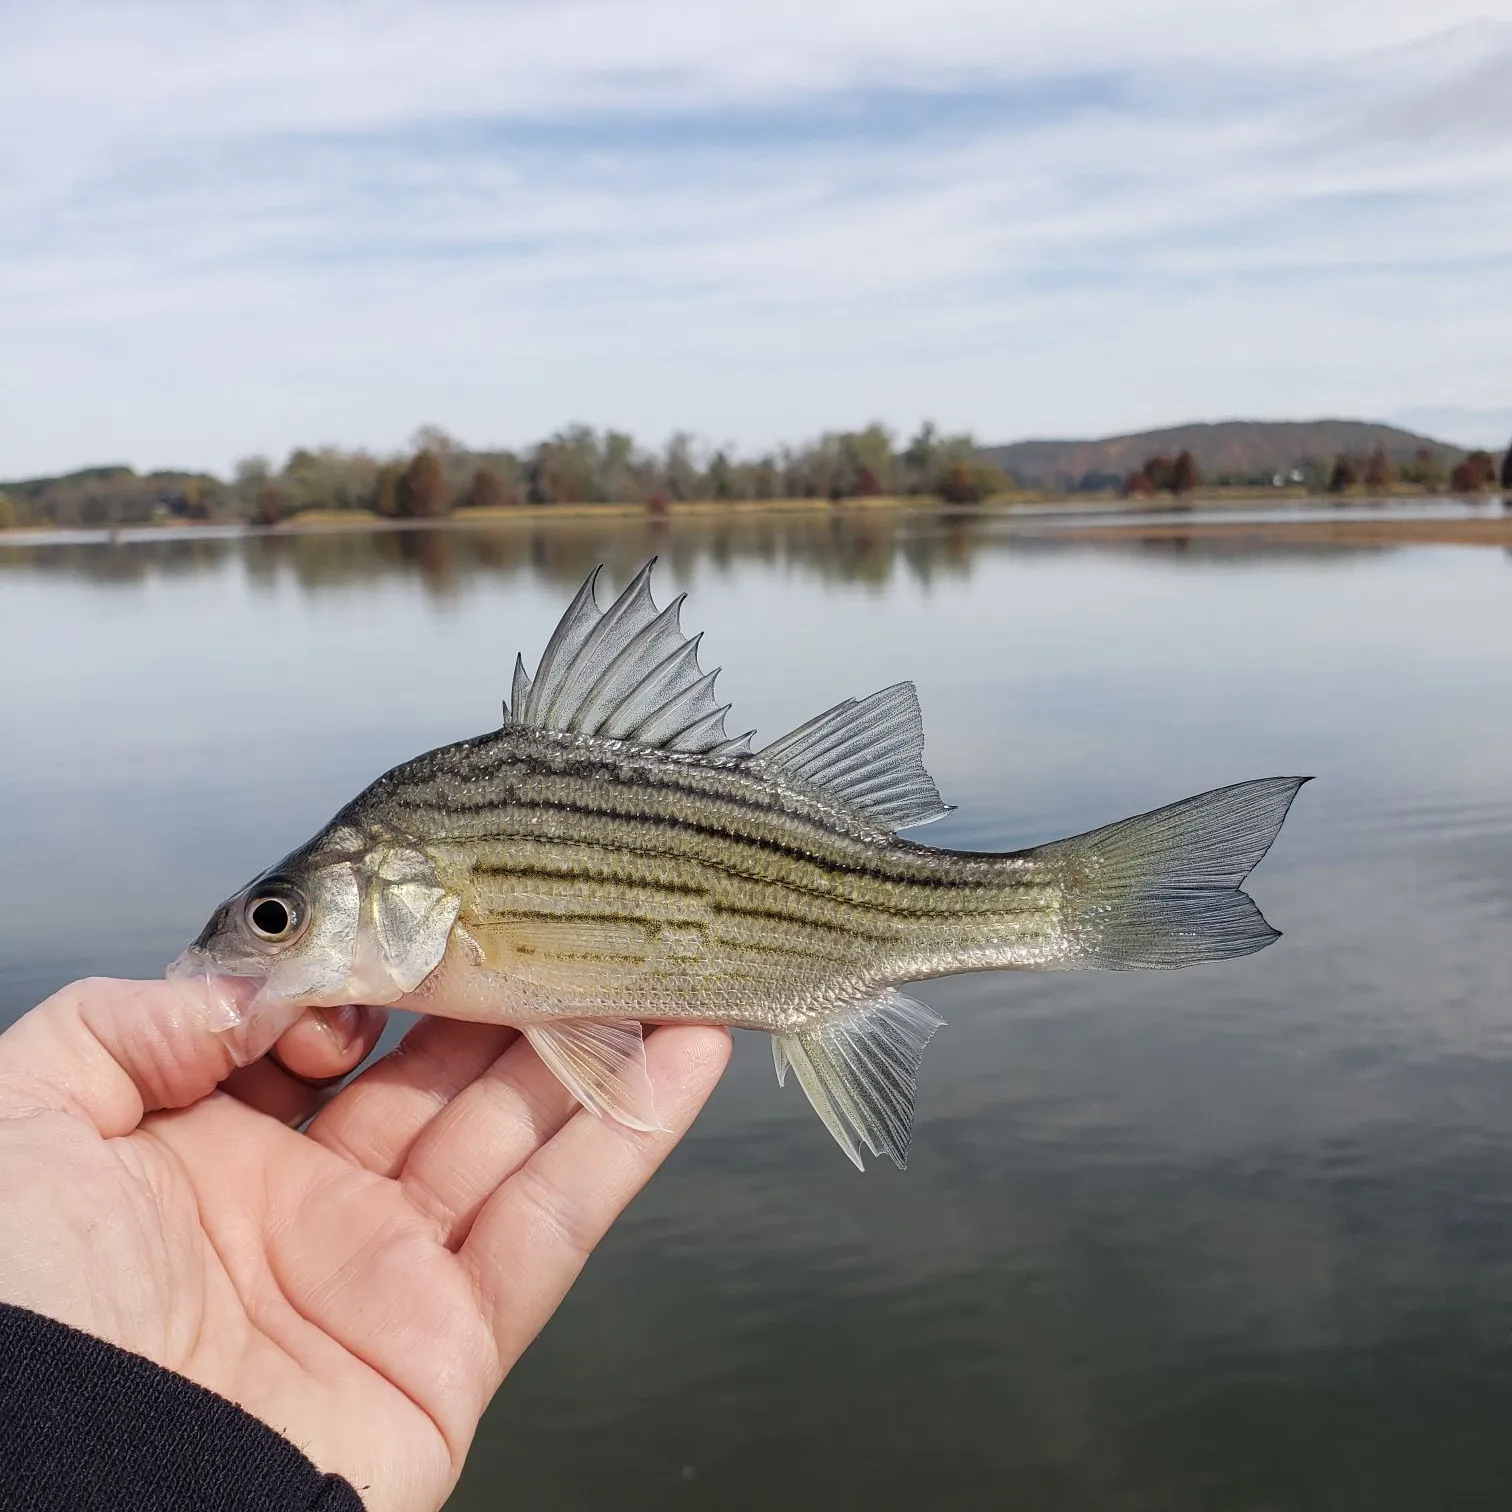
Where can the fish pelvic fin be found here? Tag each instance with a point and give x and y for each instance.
(1161, 890)
(860, 1070)
(603, 1065)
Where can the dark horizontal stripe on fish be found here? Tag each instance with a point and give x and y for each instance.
(902, 875)
(655, 923)
(654, 926)
(527, 869)
(716, 906)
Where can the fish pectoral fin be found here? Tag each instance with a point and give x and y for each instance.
(860, 1070)
(603, 1064)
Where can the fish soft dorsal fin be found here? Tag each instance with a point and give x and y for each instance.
(869, 752)
(860, 1071)
(626, 672)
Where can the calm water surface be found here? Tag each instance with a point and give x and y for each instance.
(1235, 1238)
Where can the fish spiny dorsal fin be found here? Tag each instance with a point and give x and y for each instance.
(519, 692)
(572, 630)
(869, 752)
(626, 672)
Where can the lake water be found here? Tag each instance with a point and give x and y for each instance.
(1234, 1238)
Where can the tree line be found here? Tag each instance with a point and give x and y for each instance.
(1424, 470)
(577, 465)
(583, 465)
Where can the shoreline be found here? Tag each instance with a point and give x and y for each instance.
(1059, 517)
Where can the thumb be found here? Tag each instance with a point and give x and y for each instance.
(111, 1052)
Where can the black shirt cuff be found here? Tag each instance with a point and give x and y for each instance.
(87, 1427)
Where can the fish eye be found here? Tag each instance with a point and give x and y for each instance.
(277, 915)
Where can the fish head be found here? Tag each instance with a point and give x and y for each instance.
(340, 921)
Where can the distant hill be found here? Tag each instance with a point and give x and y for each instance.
(1236, 449)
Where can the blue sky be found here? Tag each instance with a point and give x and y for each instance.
(235, 228)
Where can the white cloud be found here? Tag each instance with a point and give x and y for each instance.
(228, 228)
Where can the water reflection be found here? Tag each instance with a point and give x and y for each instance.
(835, 546)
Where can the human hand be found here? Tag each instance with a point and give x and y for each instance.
(364, 1286)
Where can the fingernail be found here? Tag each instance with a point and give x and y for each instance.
(340, 1023)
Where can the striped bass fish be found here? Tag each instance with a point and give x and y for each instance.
(611, 858)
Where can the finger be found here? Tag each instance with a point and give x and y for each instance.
(267, 1087)
(327, 1043)
(482, 1137)
(290, 1082)
(532, 1236)
(110, 1051)
(375, 1121)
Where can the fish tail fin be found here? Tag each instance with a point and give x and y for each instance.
(1161, 890)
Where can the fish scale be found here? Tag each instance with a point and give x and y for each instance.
(611, 858)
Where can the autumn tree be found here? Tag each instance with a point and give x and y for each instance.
(271, 505)
(1344, 475)
(1474, 473)
(384, 499)
(422, 492)
(486, 490)
(1183, 474)
(1378, 469)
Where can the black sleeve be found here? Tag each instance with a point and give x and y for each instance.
(87, 1427)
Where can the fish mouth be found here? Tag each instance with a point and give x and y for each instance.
(227, 996)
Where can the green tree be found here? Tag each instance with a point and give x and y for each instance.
(721, 477)
(680, 474)
(970, 482)
(565, 468)
(766, 478)
(918, 458)
(867, 463)
(1425, 469)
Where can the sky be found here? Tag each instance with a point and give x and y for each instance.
(229, 228)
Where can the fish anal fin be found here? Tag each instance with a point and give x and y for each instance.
(603, 1064)
(860, 1070)
(868, 752)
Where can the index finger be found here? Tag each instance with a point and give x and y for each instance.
(532, 1237)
